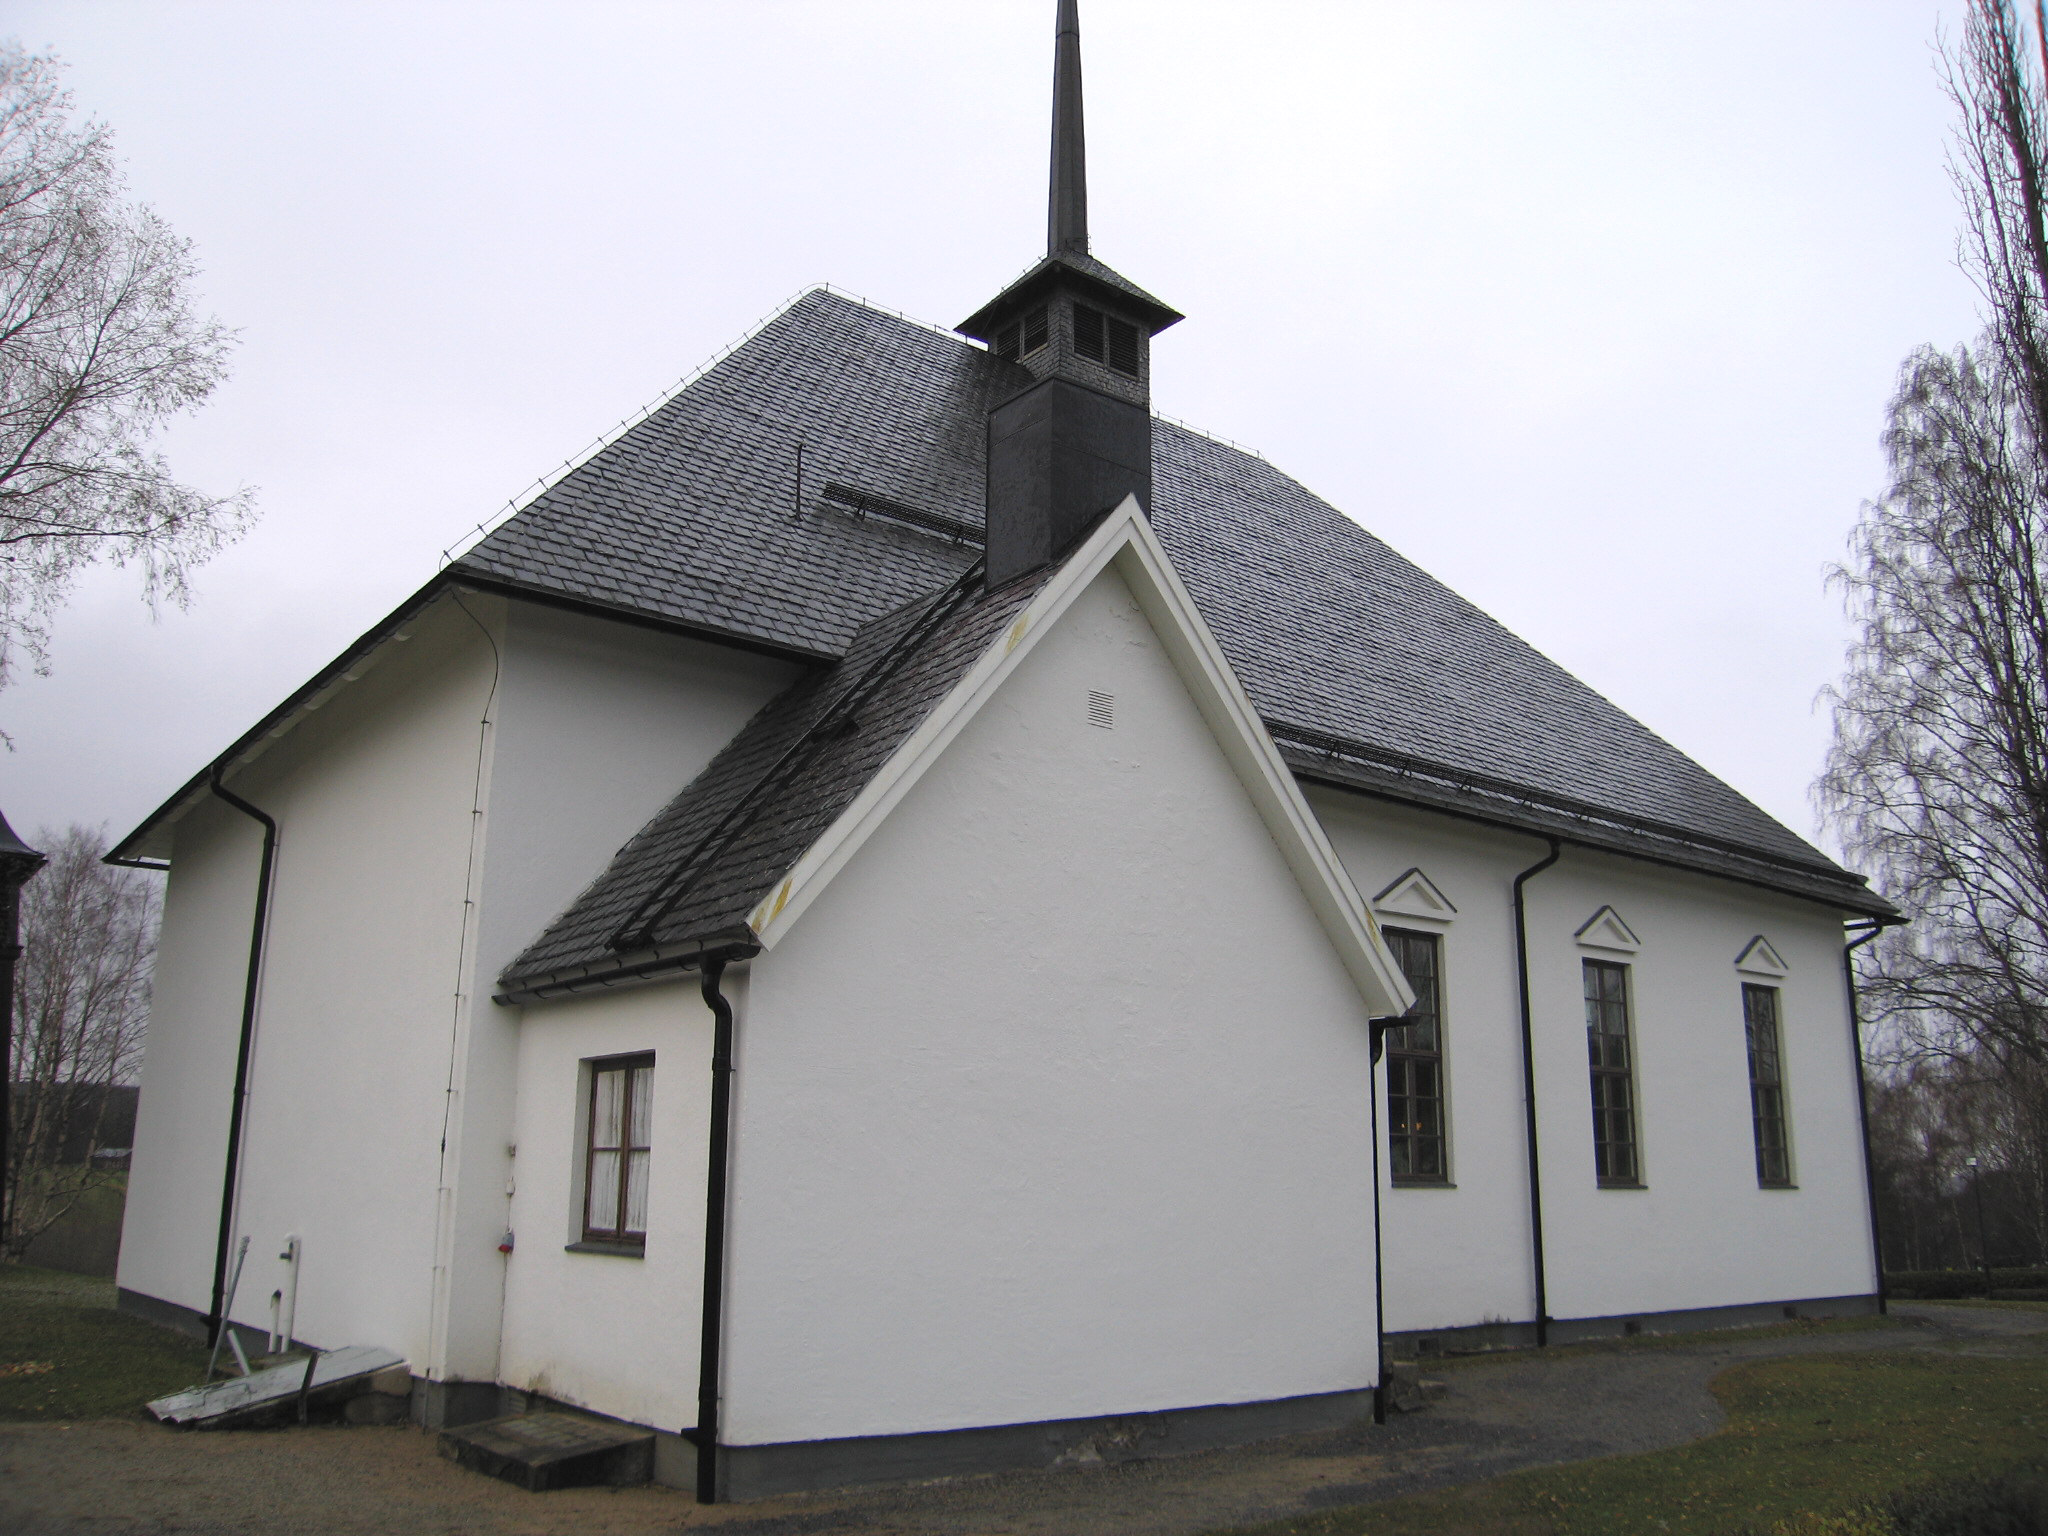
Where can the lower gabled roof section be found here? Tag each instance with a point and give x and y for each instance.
(738, 858)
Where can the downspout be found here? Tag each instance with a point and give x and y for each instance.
(1529, 1090)
(215, 1318)
(715, 1189)
(1378, 1036)
(1863, 1109)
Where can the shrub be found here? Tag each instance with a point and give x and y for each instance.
(2002, 1504)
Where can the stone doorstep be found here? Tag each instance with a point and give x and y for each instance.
(545, 1450)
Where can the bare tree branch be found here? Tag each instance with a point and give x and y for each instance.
(1937, 782)
(88, 936)
(99, 347)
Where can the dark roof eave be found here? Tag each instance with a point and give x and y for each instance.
(1843, 891)
(1054, 272)
(126, 852)
(671, 960)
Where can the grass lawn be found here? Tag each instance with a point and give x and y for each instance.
(1814, 1435)
(65, 1353)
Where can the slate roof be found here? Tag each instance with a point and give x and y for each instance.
(692, 516)
(1369, 672)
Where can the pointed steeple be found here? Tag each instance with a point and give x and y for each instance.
(1074, 436)
(1067, 216)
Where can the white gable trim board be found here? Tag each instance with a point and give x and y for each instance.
(1125, 542)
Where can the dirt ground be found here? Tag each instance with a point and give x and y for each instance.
(121, 1478)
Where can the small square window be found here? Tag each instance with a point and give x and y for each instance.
(618, 1150)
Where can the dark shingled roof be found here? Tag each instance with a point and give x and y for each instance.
(1369, 672)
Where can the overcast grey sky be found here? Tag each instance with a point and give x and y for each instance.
(1592, 309)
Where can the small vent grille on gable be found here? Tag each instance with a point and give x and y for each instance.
(1102, 709)
(1106, 339)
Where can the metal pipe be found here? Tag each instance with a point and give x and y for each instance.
(291, 1288)
(230, 1176)
(1378, 1035)
(213, 1357)
(1877, 926)
(1529, 1090)
(715, 1189)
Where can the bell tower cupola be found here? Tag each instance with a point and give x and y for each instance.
(1076, 437)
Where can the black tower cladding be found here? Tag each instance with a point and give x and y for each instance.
(1071, 445)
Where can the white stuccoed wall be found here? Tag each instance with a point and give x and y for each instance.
(1053, 1104)
(598, 726)
(169, 1225)
(1702, 1234)
(1457, 1256)
(617, 1335)
(372, 795)
(375, 974)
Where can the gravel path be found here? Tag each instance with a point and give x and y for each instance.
(1499, 1414)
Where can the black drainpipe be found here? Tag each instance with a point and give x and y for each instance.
(215, 1318)
(715, 1186)
(1863, 1108)
(1529, 1089)
(1378, 1038)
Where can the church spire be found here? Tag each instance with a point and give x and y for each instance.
(1070, 434)
(1067, 218)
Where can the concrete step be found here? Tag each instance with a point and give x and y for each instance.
(545, 1450)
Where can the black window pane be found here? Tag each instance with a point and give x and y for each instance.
(1415, 1085)
(1766, 1085)
(1034, 330)
(1612, 1080)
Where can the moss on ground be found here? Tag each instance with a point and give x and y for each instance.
(65, 1353)
(1810, 1441)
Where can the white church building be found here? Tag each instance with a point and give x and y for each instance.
(849, 932)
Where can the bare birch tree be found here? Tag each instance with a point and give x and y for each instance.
(99, 346)
(1938, 778)
(88, 941)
